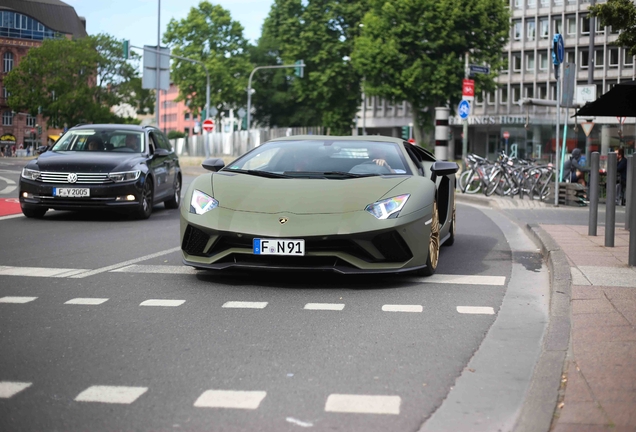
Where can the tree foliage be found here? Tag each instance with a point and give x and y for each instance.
(209, 34)
(414, 50)
(621, 15)
(70, 81)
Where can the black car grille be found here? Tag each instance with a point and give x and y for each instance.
(194, 241)
(392, 246)
(305, 262)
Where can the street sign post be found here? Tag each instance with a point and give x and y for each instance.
(208, 125)
(558, 52)
(464, 109)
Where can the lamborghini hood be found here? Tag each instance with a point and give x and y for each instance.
(244, 192)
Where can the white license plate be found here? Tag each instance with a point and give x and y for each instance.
(279, 247)
(72, 192)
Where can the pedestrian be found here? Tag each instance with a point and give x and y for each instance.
(13, 150)
(621, 177)
(574, 171)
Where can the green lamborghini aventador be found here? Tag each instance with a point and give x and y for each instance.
(366, 204)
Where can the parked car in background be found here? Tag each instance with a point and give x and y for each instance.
(126, 168)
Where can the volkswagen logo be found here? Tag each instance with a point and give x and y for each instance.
(283, 220)
(71, 178)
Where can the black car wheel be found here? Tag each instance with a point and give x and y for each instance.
(433, 245)
(145, 203)
(173, 203)
(37, 213)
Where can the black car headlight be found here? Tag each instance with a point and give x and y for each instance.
(124, 176)
(30, 174)
(202, 203)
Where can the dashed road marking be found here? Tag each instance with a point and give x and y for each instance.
(475, 310)
(325, 306)
(402, 308)
(10, 299)
(126, 263)
(230, 399)
(38, 271)
(10, 388)
(246, 305)
(111, 394)
(158, 302)
(465, 279)
(86, 301)
(363, 404)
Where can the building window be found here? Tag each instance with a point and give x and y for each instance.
(532, 4)
(599, 58)
(7, 118)
(613, 57)
(479, 98)
(570, 57)
(612, 31)
(516, 93)
(517, 30)
(571, 25)
(544, 28)
(543, 61)
(30, 122)
(629, 60)
(545, 3)
(490, 98)
(8, 62)
(186, 116)
(504, 95)
(5, 93)
(516, 62)
(585, 25)
(531, 29)
(518, 4)
(599, 29)
(541, 91)
(557, 26)
(585, 59)
(552, 91)
(530, 62)
(558, 2)
(529, 92)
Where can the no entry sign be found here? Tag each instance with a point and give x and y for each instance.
(208, 125)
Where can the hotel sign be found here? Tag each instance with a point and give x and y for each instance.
(488, 120)
(17, 42)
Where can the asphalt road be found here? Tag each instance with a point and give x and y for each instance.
(192, 363)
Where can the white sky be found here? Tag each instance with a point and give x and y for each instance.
(136, 20)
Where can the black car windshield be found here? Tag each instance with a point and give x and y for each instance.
(324, 159)
(101, 140)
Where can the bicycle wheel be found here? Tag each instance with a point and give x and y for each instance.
(494, 182)
(473, 183)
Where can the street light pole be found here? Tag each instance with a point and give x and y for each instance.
(158, 86)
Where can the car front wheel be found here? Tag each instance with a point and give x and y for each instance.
(36, 213)
(173, 203)
(433, 245)
(145, 202)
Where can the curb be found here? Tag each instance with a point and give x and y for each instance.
(482, 200)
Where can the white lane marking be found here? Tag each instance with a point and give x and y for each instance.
(230, 399)
(111, 394)
(11, 216)
(475, 310)
(465, 279)
(10, 388)
(347, 403)
(9, 188)
(158, 302)
(325, 306)
(38, 271)
(299, 422)
(86, 301)
(158, 269)
(10, 299)
(247, 305)
(402, 308)
(125, 263)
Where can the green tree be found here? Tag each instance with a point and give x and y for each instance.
(143, 100)
(209, 34)
(621, 15)
(70, 81)
(414, 50)
(322, 34)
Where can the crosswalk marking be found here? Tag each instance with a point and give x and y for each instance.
(363, 404)
(158, 302)
(111, 394)
(39, 271)
(86, 301)
(402, 308)
(475, 310)
(230, 399)
(465, 279)
(247, 305)
(10, 299)
(10, 388)
(325, 306)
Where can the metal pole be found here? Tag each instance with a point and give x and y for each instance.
(627, 193)
(465, 125)
(364, 114)
(556, 155)
(158, 89)
(610, 200)
(631, 187)
(594, 186)
(207, 111)
(590, 75)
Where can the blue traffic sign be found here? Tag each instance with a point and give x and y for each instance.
(558, 49)
(476, 69)
(464, 109)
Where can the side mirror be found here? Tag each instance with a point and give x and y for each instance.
(160, 152)
(213, 164)
(443, 168)
(42, 149)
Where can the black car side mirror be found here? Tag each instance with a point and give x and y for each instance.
(160, 152)
(443, 168)
(213, 164)
(42, 149)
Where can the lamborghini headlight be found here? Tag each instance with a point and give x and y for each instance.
(30, 174)
(118, 177)
(386, 208)
(202, 203)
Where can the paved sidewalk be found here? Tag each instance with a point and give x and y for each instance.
(600, 372)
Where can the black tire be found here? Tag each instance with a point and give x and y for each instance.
(432, 259)
(37, 213)
(145, 203)
(175, 201)
(493, 183)
(450, 240)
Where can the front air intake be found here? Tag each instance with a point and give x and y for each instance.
(194, 241)
(393, 247)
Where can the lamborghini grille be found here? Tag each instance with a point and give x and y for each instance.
(194, 241)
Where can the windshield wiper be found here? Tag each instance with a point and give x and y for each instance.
(259, 173)
(344, 174)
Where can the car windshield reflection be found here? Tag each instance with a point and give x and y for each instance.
(101, 140)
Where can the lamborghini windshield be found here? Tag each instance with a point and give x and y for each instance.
(321, 158)
(101, 140)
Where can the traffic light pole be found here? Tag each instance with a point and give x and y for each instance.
(249, 91)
